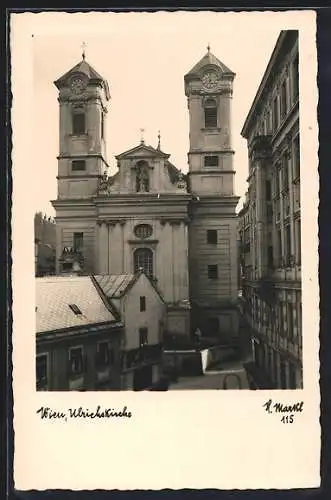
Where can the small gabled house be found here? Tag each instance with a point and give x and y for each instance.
(143, 312)
(78, 336)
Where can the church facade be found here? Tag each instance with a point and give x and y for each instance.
(180, 229)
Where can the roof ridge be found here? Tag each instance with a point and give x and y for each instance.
(107, 302)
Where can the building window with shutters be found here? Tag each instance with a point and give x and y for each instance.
(143, 260)
(78, 123)
(211, 161)
(210, 113)
(78, 242)
(76, 361)
(78, 165)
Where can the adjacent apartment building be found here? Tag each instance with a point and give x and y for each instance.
(270, 221)
(98, 333)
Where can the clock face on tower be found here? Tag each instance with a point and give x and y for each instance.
(210, 79)
(77, 85)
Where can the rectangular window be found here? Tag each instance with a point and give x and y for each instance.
(268, 190)
(78, 242)
(270, 256)
(142, 304)
(213, 326)
(285, 172)
(295, 78)
(211, 117)
(283, 100)
(104, 354)
(75, 309)
(290, 332)
(143, 336)
(102, 125)
(287, 230)
(269, 213)
(76, 362)
(275, 118)
(42, 371)
(213, 272)
(212, 236)
(78, 165)
(78, 123)
(298, 238)
(279, 245)
(211, 161)
(296, 158)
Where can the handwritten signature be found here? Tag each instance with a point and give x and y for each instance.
(277, 407)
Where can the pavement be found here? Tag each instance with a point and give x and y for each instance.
(232, 377)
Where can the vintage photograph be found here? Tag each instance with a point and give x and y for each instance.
(167, 223)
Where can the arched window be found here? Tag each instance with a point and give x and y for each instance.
(143, 259)
(142, 177)
(210, 113)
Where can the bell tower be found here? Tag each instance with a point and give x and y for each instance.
(208, 87)
(83, 97)
(212, 229)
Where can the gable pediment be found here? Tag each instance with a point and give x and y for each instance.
(142, 151)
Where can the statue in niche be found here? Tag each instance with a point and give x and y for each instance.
(103, 185)
(181, 184)
(142, 179)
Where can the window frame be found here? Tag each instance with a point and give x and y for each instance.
(78, 128)
(212, 271)
(72, 373)
(142, 303)
(212, 164)
(210, 113)
(104, 364)
(212, 240)
(78, 162)
(45, 385)
(143, 336)
(78, 248)
(149, 268)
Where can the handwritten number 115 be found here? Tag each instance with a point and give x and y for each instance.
(287, 419)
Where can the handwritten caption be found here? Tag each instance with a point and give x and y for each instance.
(287, 412)
(47, 413)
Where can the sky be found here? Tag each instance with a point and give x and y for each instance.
(144, 57)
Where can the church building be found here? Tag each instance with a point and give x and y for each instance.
(180, 229)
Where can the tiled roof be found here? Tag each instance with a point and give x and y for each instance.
(115, 285)
(209, 59)
(53, 296)
(81, 67)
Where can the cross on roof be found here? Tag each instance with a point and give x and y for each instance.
(208, 47)
(83, 47)
(142, 130)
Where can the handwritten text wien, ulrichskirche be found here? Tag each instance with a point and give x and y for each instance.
(47, 413)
